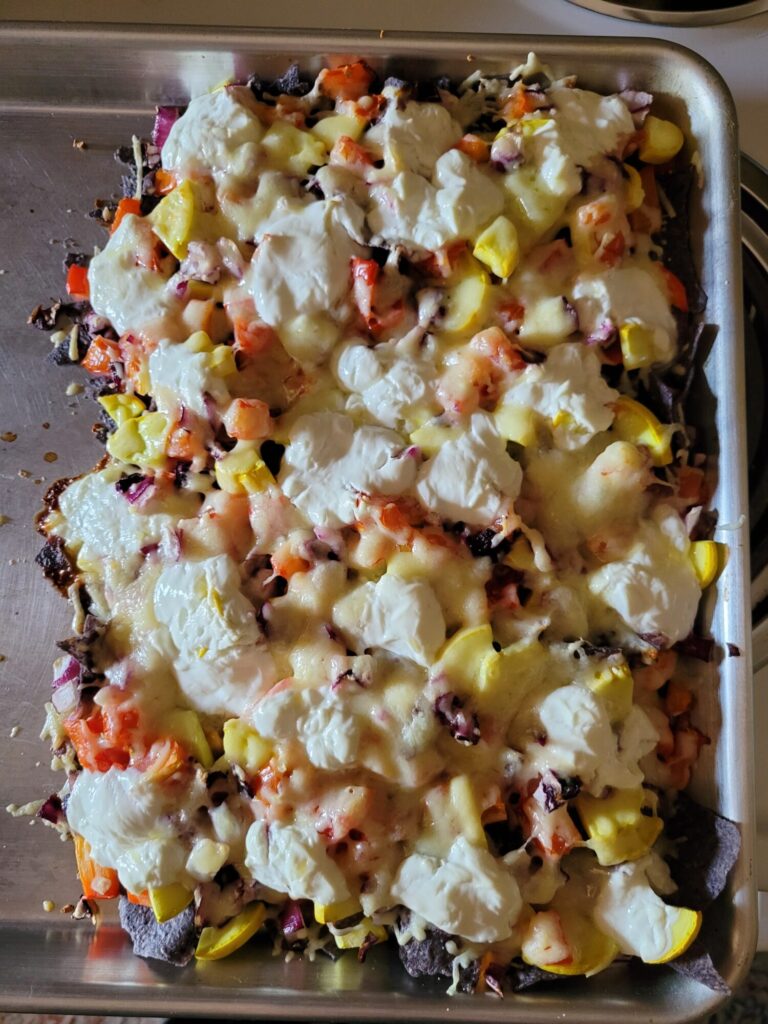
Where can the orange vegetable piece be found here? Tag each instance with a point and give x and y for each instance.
(348, 153)
(347, 82)
(165, 182)
(477, 149)
(77, 282)
(124, 207)
(248, 419)
(98, 883)
(691, 485)
(253, 336)
(519, 103)
(141, 899)
(100, 355)
(675, 290)
(678, 700)
(183, 444)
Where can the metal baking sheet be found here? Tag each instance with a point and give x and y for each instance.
(99, 85)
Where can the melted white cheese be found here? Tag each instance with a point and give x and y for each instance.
(590, 125)
(397, 389)
(221, 664)
(329, 731)
(105, 526)
(624, 294)
(215, 137)
(128, 294)
(181, 378)
(629, 911)
(292, 859)
(568, 390)
(654, 588)
(470, 893)
(401, 616)
(329, 463)
(301, 264)
(413, 212)
(471, 479)
(127, 820)
(414, 137)
(579, 740)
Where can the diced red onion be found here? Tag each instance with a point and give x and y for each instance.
(138, 491)
(638, 103)
(66, 670)
(211, 409)
(165, 118)
(231, 257)
(572, 313)
(202, 263)
(604, 334)
(507, 152)
(291, 919)
(52, 810)
(66, 698)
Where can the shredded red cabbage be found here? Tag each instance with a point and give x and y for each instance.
(165, 118)
(68, 671)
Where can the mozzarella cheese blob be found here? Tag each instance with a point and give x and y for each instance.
(567, 390)
(216, 137)
(418, 214)
(471, 479)
(129, 824)
(124, 288)
(330, 463)
(654, 589)
(301, 263)
(221, 663)
(468, 894)
(292, 859)
(397, 615)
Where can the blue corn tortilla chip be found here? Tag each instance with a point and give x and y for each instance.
(174, 941)
(696, 963)
(707, 847)
(521, 976)
(428, 956)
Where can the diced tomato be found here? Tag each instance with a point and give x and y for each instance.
(347, 82)
(368, 106)
(165, 182)
(553, 831)
(124, 207)
(350, 154)
(104, 738)
(98, 883)
(133, 356)
(496, 346)
(164, 758)
(100, 355)
(286, 563)
(253, 336)
(365, 274)
(442, 262)
(511, 315)
(77, 282)
(611, 249)
(675, 290)
(476, 149)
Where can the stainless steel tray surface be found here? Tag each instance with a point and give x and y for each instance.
(100, 85)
